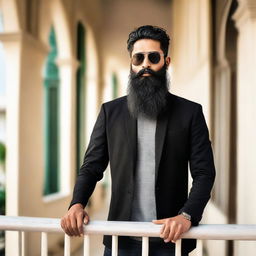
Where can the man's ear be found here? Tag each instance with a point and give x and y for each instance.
(167, 61)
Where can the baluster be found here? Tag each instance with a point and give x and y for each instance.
(44, 244)
(199, 248)
(114, 245)
(67, 245)
(178, 248)
(21, 243)
(86, 245)
(144, 246)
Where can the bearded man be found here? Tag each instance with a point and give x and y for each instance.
(149, 137)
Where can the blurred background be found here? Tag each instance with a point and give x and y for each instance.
(60, 59)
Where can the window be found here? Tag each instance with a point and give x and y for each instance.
(51, 119)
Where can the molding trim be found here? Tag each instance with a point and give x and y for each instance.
(24, 38)
(246, 11)
(10, 36)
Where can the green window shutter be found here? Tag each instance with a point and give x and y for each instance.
(80, 95)
(51, 119)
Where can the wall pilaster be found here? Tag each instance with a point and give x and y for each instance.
(245, 18)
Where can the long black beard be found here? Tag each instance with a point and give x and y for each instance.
(147, 94)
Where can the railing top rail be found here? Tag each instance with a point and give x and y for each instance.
(125, 228)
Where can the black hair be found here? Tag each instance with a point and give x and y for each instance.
(149, 32)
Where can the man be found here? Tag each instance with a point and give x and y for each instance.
(149, 137)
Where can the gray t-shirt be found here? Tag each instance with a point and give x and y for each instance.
(144, 203)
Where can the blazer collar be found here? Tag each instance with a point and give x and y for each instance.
(161, 127)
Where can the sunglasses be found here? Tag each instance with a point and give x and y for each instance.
(153, 57)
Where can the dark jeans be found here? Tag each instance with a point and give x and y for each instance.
(136, 251)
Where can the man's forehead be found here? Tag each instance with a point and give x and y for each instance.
(146, 45)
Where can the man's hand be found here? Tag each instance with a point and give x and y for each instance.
(173, 228)
(72, 222)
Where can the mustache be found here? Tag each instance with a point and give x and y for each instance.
(157, 74)
(146, 71)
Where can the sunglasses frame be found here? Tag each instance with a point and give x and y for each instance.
(146, 54)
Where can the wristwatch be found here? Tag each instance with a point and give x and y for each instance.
(186, 216)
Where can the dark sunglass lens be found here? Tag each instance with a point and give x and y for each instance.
(137, 59)
(154, 57)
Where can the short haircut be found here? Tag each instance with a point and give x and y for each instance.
(149, 32)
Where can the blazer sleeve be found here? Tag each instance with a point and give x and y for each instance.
(94, 164)
(201, 167)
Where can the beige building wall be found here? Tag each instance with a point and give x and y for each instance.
(107, 23)
(192, 73)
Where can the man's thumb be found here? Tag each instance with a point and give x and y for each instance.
(159, 221)
(86, 219)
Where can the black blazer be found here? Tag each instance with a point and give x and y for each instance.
(182, 138)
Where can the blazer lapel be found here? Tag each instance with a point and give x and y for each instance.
(131, 133)
(161, 127)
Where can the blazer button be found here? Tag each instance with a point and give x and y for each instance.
(157, 188)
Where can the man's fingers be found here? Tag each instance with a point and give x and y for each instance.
(64, 226)
(72, 223)
(165, 231)
(68, 230)
(171, 233)
(80, 224)
(70, 227)
(173, 228)
(177, 234)
(74, 227)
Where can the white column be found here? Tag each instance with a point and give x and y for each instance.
(12, 46)
(245, 18)
(67, 68)
(23, 111)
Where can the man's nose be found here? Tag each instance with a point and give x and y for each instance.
(146, 63)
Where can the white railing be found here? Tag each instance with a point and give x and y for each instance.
(117, 228)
